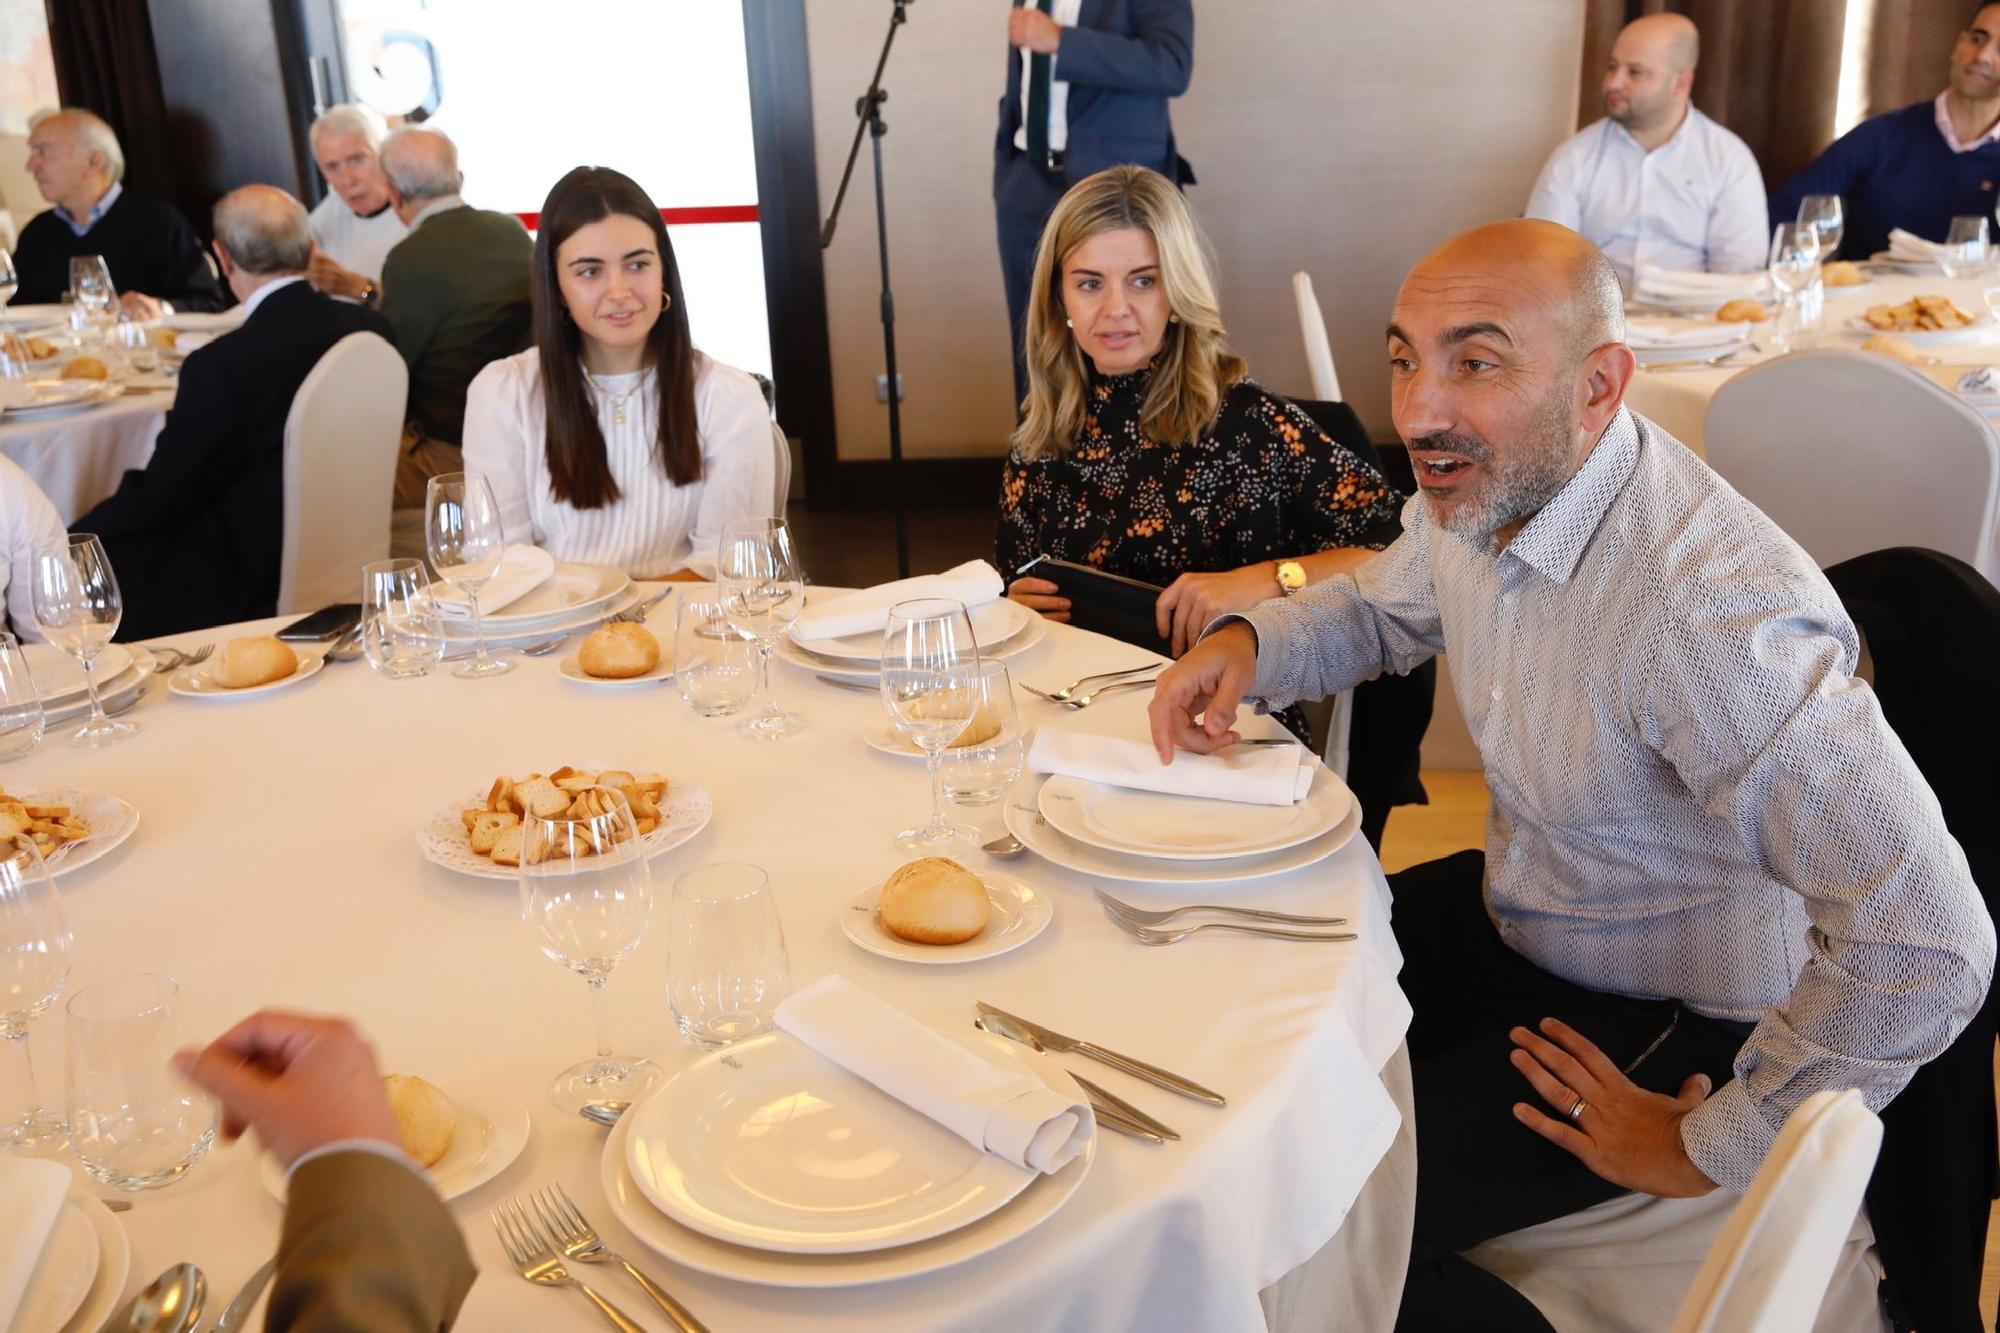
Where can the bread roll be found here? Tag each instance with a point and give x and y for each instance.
(85, 368)
(425, 1117)
(619, 651)
(254, 661)
(1742, 311)
(1842, 273)
(41, 349)
(162, 337)
(983, 727)
(1899, 349)
(934, 901)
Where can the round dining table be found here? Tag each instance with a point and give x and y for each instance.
(276, 862)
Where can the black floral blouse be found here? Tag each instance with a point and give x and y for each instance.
(1264, 483)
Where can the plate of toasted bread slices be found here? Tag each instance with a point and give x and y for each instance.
(481, 835)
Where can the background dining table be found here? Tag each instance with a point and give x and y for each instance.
(276, 863)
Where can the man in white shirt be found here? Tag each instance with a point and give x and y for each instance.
(29, 525)
(355, 226)
(1656, 182)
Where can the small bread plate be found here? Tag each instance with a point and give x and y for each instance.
(110, 820)
(1025, 822)
(490, 1134)
(1980, 327)
(1185, 828)
(881, 734)
(198, 682)
(861, 1190)
(1020, 912)
(571, 668)
(684, 812)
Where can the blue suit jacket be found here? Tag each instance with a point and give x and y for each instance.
(1122, 61)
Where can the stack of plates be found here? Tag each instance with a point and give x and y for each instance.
(1148, 838)
(1658, 341)
(569, 599)
(1913, 265)
(1002, 628)
(35, 399)
(767, 1163)
(121, 673)
(80, 1277)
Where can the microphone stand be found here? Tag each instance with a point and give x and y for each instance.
(868, 118)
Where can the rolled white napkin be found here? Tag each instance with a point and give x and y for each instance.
(1682, 282)
(31, 1195)
(975, 583)
(522, 570)
(1908, 245)
(1253, 775)
(1659, 335)
(1007, 1112)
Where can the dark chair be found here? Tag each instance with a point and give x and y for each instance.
(1932, 628)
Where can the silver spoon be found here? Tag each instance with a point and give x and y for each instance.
(604, 1113)
(1004, 846)
(170, 1303)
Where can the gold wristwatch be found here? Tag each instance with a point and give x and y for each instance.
(1291, 576)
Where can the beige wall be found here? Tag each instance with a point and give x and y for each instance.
(1345, 137)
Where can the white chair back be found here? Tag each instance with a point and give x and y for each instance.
(1319, 351)
(340, 471)
(781, 475)
(1769, 1269)
(1850, 452)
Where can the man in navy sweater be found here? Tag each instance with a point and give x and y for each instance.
(1921, 166)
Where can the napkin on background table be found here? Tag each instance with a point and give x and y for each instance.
(1005, 1111)
(1909, 246)
(1677, 283)
(31, 1195)
(1253, 775)
(1658, 335)
(975, 583)
(522, 570)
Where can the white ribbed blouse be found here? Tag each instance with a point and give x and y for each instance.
(655, 527)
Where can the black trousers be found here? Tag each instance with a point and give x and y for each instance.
(1023, 197)
(1480, 1172)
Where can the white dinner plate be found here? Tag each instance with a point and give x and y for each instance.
(116, 692)
(1020, 912)
(198, 682)
(458, 637)
(993, 624)
(110, 819)
(768, 1146)
(114, 1265)
(1692, 304)
(1027, 824)
(1188, 828)
(58, 675)
(62, 1277)
(490, 1133)
(684, 812)
(571, 668)
(1923, 268)
(570, 592)
(869, 673)
(1980, 327)
(61, 398)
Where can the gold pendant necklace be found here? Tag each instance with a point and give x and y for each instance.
(619, 400)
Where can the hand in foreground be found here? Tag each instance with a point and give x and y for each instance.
(138, 307)
(1209, 682)
(1627, 1135)
(1031, 28)
(1191, 601)
(329, 277)
(1041, 597)
(300, 1082)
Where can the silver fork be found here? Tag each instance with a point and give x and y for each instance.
(1089, 697)
(636, 613)
(1062, 695)
(528, 1250)
(1141, 916)
(1153, 935)
(580, 1241)
(198, 656)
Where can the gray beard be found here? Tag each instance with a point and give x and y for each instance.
(1516, 486)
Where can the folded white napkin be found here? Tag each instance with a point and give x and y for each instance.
(1007, 1112)
(522, 570)
(975, 583)
(1253, 775)
(31, 1195)
(1908, 245)
(1657, 281)
(1655, 335)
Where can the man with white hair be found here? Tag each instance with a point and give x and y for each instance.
(356, 225)
(456, 291)
(153, 253)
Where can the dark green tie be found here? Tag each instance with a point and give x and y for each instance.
(1039, 67)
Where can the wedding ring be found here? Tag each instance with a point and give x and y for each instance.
(1575, 1115)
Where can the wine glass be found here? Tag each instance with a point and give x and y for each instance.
(463, 537)
(763, 590)
(134, 1121)
(90, 280)
(1794, 268)
(727, 967)
(1963, 254)
(78, 607)
(713, 667)
(10, 279)
(980, 765)
(400, 632)
(1823, 212)
(22, 718)
(930, 678)
(585, 891)
(34, 966)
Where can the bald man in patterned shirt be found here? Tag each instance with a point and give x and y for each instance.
(1714, 882)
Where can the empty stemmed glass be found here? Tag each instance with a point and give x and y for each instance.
(78, 606)
(1794, 268)
(1824, 214)
(1963, 254)
(930, 685)
(90, 283)
(762, 582)
(34, 966)
(463, 537)
(586, 893)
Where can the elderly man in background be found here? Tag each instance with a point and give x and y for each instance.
(1714, 880)
(456, 291)
(1919, 167)
(197, 534)
(1656, 182)
(356, 225)
(153, 253)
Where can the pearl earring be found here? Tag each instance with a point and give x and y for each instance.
(1069, 323)
(1173, 319)
(666, 302)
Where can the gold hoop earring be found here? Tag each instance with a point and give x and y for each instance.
(666, 302)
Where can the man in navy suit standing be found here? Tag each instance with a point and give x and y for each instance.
(1087, 88)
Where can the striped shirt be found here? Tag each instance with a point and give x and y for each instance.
(1692, 796)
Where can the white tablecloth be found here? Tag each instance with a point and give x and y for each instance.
(1678, 400)
(78, 460)
(276, 863)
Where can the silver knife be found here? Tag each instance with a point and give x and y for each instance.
(1153, 1074)
(238, 1313)
(1112, 1120)
(1106, 1100)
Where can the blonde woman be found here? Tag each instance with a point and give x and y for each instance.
(1144, 450)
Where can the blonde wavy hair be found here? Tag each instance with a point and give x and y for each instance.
(1194, 367)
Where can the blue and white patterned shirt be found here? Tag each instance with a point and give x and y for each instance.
(1692, 797)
